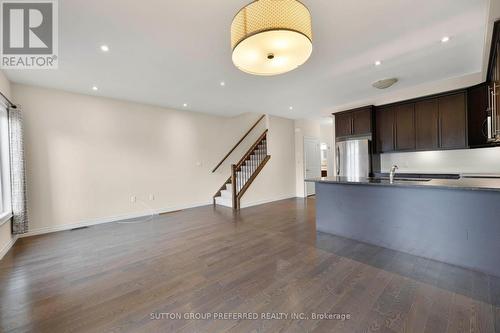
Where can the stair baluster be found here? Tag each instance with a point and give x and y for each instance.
(245, 171)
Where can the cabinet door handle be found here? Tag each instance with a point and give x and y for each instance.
(493, 122)
(490, 91)
(494, 113)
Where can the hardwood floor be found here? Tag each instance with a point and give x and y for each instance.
(267, 259)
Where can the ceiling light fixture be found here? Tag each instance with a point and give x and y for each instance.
(185, 105)
(94, 88)
(385, 83)
(104, 48)
(378, 63)
(270, 37)
(222, 84)
(290, 108)
(445, 39)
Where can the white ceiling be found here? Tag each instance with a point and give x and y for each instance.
(173, 52)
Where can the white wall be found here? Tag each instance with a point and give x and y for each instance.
(6, 238)
(484, 160)
(86, 156)
(276, 180)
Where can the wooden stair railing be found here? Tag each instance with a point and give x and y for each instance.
(238, 143)
(246, 170)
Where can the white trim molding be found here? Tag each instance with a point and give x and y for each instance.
(109, 219)
(4, 218)
(8, 246)
(261, 202)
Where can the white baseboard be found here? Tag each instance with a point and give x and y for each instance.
(7, 246)
(261, 202)
(91, 222)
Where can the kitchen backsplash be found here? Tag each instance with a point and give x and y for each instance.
(483, 160)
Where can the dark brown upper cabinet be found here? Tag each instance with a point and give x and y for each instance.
(427, 124)
(384, 120)
(343, 124)
(362, 121)
(452, 121)
(355, 122)
(494, 59)
(405, 126)
(477, 113)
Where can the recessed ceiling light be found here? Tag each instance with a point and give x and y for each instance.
(290, 108)
(378, 63)
(94, 88)
(445, 39)
(104, 48)
(222, 83)
(185, 105)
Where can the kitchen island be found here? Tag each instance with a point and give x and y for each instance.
(456, 221)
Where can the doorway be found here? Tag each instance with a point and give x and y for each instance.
(312, 163)
(324, 159)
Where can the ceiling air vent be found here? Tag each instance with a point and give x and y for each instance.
(385, 83)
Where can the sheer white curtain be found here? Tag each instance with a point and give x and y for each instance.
(17, 171)
(5, 188)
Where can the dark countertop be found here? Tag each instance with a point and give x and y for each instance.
(483, 184)
(421, 175)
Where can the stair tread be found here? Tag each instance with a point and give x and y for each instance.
(223, 202)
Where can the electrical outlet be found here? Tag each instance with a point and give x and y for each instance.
(133, 199)
(151, 197)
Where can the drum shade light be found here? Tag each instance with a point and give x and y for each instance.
(270, 37)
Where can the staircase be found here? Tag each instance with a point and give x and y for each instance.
(243, 174)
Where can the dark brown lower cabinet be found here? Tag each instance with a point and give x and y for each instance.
(405, 126)
(427, 124)
(452, 121)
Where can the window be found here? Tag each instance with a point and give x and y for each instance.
(5, 204)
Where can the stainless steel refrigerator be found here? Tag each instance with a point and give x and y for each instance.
(353, 158)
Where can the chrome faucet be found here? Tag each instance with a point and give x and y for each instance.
(393, 173)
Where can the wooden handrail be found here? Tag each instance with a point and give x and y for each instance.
(238, 143)
(251, 149)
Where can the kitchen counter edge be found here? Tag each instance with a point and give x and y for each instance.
(474, 184)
